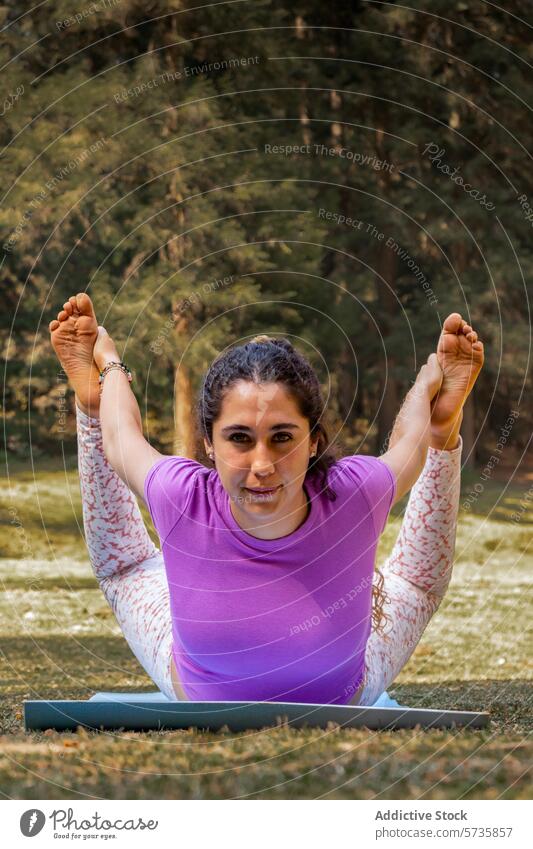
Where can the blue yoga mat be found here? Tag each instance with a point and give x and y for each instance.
(383, 701)
(153, 711)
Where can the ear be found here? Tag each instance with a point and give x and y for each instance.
(207, 445)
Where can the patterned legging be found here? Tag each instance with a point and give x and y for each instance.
(131, 573)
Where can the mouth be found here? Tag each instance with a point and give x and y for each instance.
(262, 492)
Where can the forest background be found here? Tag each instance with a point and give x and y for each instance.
(342, 174)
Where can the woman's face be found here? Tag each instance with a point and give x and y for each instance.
(262, 445)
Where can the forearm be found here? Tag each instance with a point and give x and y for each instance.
(119, 410)
(411, 434)
(125, 447)
(413, 422)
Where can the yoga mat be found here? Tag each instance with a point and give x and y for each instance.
(129, 712)
(383, 701)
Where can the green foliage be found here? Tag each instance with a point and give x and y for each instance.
(135, 167)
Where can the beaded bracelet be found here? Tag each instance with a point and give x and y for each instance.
(109, 367)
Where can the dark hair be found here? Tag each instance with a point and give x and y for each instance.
(268, 360)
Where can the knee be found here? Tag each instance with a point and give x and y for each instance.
(433, 588)
(405, 594)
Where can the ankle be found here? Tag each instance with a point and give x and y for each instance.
(446, 438)
(93, 412)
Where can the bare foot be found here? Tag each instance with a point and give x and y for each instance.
(73, 336)
(461, 356)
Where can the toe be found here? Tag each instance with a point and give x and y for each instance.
(62, 315)
(453, 323)
(466, 329)
(53, 325)
(472, 336)
(85, 304)
(67, 306)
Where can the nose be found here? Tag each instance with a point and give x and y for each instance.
(261, 464)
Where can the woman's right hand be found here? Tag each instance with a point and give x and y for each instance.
(104, 351)
(430, 377)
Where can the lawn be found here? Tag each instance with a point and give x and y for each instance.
(58, 639)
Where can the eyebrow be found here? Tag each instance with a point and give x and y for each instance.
(285, 426)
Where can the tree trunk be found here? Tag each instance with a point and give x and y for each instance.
(385, 283)
(349, 396)
(389, 409)
(184, 435)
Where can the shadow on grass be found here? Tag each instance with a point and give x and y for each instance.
(64, 667)
(280, 762)
(509, 701)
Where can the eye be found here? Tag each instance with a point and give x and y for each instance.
(235, 437)
(283, 434)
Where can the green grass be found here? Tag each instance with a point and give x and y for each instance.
(58, 639)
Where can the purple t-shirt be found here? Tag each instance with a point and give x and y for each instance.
(270, 620)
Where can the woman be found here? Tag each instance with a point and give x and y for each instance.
(266, 589)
